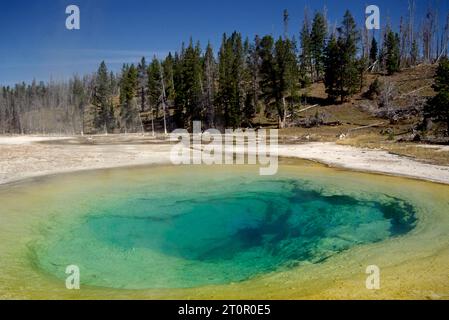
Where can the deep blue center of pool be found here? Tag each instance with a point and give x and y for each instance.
(198, 239)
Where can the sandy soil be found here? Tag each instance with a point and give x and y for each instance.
(31, 156)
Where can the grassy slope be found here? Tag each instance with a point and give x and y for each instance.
(353, 115)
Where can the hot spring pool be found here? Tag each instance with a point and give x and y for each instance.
(187, 228)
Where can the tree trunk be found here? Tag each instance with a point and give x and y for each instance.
(281, 124)
(163, 101)
(152, 121)
(283, 119)
(285, 112)
(447, 123)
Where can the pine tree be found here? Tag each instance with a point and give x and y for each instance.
(318, 43)
(269, 81)
(177, 88)
(168, 66)
(238, 74)
(231, 75)
(392, 57)
(253, 66)
(279, 75)
(331, 65)
(287, 65)
(129, 85)
(437, 107)
(193, 84)
(342, 77)
(104, 116)
(142, 83)
(187, 77)
(224, 95)
(209, 72)
(248, 108)
(348, 42)
(373, 51)
(154, 86)
(169, 86)
(113, 83)
(123, 86)
(178, 83)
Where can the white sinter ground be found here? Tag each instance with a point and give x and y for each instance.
(26, 156)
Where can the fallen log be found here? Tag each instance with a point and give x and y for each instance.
(308, 108)
(414, 91)
(366, 127)
(332, 124)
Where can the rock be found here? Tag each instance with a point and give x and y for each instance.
(416, 137)
(428, 124)
(387, 131)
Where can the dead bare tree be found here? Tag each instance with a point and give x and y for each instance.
(411, 22)
(366, 42)
(444, 40)
(38, 108)
(163, 100)
(428, 34)
(386, 98)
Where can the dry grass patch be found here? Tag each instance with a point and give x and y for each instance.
(438, 155)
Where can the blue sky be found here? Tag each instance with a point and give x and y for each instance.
(35, 43)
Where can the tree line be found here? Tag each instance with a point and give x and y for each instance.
(224, 89)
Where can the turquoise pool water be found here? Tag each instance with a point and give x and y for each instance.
(184, 232)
